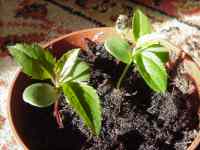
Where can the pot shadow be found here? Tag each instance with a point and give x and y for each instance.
(42, 132)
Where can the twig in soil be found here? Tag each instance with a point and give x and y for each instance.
(90, 44)
(57, 115)
(104, 82)
(195, 143)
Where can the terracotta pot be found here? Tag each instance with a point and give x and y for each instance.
(58, 47)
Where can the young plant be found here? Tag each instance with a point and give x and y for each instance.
(148, 54)
(68, 75)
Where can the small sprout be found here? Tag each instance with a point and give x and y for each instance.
(68, 75)
(149, 53)
(122, 24)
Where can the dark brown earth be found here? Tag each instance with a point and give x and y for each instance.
(134, 117)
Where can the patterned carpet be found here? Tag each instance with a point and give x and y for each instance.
(43, 20)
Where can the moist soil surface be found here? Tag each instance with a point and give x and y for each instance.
(134, 117)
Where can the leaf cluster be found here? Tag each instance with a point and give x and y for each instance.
(68, 75)
(148, 55)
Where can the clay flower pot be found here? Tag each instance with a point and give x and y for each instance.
(16, 109)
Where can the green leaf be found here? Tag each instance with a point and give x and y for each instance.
(161, 52)
(119, 48)
(66, 63)
(86, 103)
(40, 95)
(80, 72)
(156, 48)
(147, 44)
(151, 38)
(35, 61)
(140, 24)
(152, 70)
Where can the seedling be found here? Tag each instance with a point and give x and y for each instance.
(147, 51)
(67, 75)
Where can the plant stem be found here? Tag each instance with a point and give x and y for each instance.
(123, 75)
(57, 115)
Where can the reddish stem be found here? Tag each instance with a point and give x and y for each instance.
(57, 115)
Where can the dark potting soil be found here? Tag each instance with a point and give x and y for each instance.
(134, 117)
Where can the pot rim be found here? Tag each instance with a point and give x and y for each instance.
(100, 29)
(18, 72)
(10, 119)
